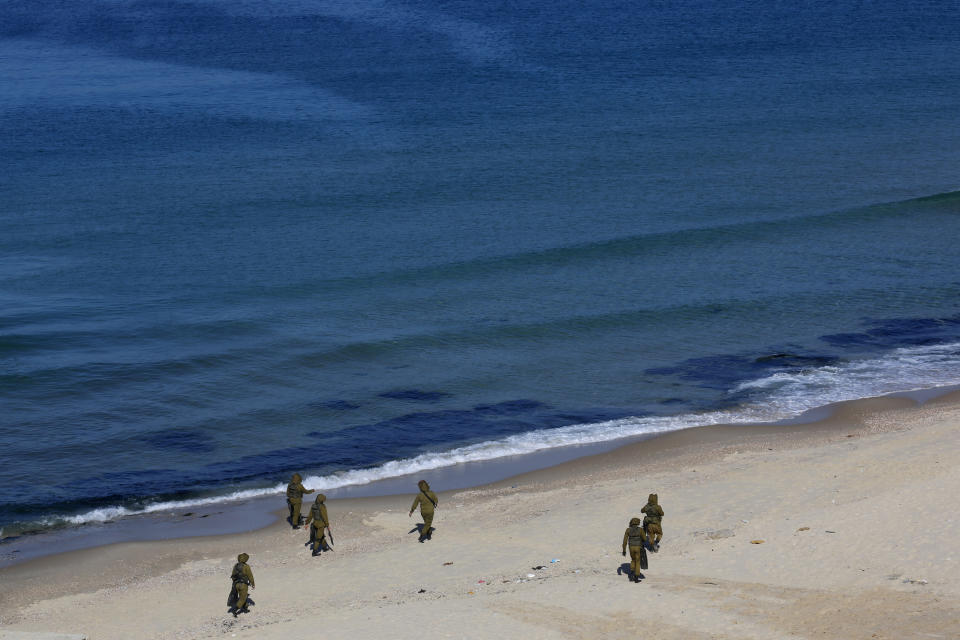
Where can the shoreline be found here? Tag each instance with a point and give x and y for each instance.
(262, 512)
(819, 496)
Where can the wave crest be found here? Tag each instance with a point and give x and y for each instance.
(783, 395)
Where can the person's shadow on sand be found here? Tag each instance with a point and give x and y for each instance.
(624, 569)
(232, 601)
(419, 529)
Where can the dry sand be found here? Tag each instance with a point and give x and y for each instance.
(858, 518)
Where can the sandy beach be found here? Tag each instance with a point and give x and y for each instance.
(845, 528)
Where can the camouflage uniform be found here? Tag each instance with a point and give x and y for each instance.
(651, 521)
(241, 578)
(318, 518)
(427, 500)
(295, 492)
(635, 536)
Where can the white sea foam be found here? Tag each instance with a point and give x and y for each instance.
(787, 394)
(106, 514)
(904, 369)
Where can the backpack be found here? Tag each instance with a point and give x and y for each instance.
(238, 574)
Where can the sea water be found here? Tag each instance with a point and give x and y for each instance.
(360, 239)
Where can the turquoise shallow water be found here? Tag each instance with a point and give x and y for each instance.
(360, 239)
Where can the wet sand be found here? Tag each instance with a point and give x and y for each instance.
(857, 515)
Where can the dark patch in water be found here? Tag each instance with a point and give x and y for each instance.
(845, 340)
(416, 395)
(726, 371)
(794, 360)
(718, 372)
(182, 440)
(367, 445)
(340, 405)
(116, 488)
(509, 408)
(898, 332)
(416, 432)
(359, 446)
(587, 416)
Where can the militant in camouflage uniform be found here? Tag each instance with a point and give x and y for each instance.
(428, 502)
(295, 492)
(635, 536)
(318, 518)
(241, 578)
(651, 522)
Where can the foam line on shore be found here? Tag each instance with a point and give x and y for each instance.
(785, 394)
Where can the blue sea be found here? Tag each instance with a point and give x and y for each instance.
(358, 239)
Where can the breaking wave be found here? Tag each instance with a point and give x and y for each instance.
(904, 369)
(781, 395)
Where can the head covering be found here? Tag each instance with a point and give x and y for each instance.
(634, 521)
(423, 485)
(296, 478)
(652, 499)
(321, 497)
(243, 557)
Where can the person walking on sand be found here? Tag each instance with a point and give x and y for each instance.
(317, 520)
(635, 536)
(241, 578)
(651, 522)
(295, 492)
(428, 503)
